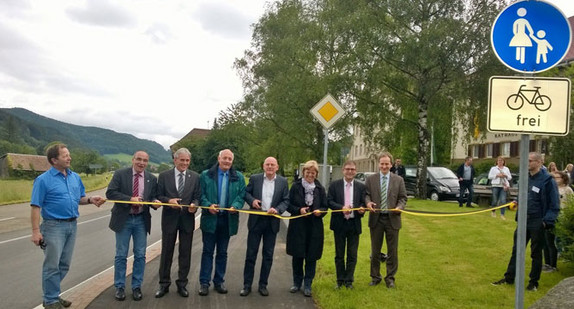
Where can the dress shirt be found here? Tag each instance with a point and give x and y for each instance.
(267, 194)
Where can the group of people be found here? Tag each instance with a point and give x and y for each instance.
(219, 192)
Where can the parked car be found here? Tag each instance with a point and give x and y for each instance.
(362, 176)
(442, 183)
(483, 189)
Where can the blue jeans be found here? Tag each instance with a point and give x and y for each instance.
(59, 237)
(499, 198)
(134, 227)
(465, 185)
(219, 239)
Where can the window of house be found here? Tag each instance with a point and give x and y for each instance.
(505, 149)
(475, 151)
(489, 149)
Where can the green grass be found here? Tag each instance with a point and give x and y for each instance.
(444, 262)
(19, 191)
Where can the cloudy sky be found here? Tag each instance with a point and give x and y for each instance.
(152, 68)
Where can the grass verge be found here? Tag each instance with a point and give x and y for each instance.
(19, 191)
(444, 262)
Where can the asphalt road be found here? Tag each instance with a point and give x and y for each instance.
(20, 270)
(21, 267)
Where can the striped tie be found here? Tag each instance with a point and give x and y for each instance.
(136, 192)
(180, 185)
(384, 193)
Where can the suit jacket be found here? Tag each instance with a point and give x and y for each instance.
(396, 197)
(336, 200)
(167, 189)
(460, 172)
(399, 170)
(121, 189)
(280, 201)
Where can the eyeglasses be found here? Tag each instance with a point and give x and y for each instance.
(350, 169)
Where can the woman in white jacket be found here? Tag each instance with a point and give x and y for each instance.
(499, 176)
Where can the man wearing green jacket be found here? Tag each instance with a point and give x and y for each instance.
(222, 189)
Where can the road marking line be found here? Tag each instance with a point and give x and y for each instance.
(5, 219)
(27, 236)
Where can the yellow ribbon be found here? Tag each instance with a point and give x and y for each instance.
(511, 205)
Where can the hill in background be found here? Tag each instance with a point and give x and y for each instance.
(21, 126)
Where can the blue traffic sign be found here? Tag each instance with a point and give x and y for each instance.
(531, 36)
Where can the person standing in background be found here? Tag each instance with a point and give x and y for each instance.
(500, 177)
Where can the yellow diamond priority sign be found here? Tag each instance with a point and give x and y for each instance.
(327, 111)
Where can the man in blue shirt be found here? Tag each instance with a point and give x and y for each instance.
(542, 209)
(55, 196)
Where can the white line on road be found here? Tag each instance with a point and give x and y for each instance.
(28, 236)
(5, 219)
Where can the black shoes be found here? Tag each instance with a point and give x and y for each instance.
(349, 285)
(339, 285)
(137, 294)
(294, 289)
(263, 291)
(374, 282)
(161, 291)
(120, 294)
(182, 291)
(204, 290)
(64, 303)
(532, 287)
(307, 292)
(220, 288)
(390, 284)
(246, 291)
(501, 282)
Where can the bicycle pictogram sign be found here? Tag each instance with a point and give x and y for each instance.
(541, 102)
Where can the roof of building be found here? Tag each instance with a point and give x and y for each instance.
(193, 134)
(570, 54)
(27, 162)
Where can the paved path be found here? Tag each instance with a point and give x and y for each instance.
(279, 282)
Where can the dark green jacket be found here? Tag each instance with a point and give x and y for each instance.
(210, 195)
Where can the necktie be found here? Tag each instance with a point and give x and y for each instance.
(384, 193)
(223, 193)
(347, 198)
(136, 192)
(180, 185)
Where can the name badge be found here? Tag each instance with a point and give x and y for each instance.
(535, 189)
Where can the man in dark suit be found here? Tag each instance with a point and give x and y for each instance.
(131, 220)
(385, 191)
(267, 192)
(344, 194)
(177, 186)
(465, 174)
(398, 168)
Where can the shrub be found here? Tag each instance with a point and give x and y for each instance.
(565, 230)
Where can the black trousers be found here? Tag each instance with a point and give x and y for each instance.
(261, 231)
(184, 257)
(346, 238)
(550, 250)
(536, 238)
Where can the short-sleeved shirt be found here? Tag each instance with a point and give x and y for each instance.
(58, 196)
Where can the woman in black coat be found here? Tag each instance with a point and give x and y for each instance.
(305, 235)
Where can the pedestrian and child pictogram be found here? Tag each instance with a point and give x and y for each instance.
(531, 36)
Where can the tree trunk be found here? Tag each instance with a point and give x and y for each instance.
(423, 150)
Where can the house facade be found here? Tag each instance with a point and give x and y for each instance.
(16, 164)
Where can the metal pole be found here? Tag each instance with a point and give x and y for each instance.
(326, 146)
(521, 229)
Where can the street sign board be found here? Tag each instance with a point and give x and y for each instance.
(327, 111)
(538, 105)
(530, 36)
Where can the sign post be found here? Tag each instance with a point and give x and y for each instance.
(328, 111)
(528, 37)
